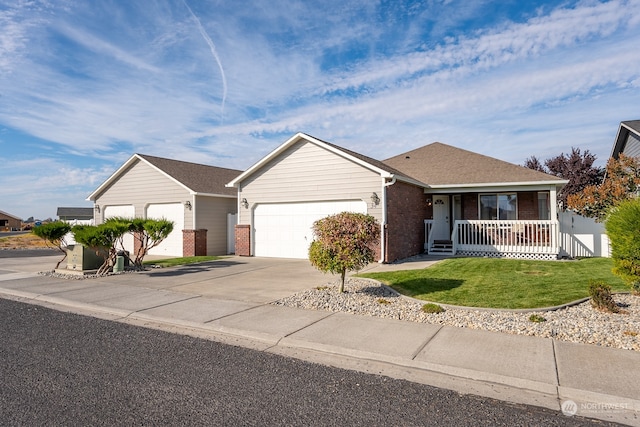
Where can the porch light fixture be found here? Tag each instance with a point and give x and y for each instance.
(187, 204)
(375, 200)
(429, 202)
(244, 203)
(97, 208)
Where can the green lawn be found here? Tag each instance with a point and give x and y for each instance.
(502, 283)
(172, 262)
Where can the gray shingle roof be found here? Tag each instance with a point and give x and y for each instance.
(441, 164)
(633, 124)
(75, 213)
(197, 177)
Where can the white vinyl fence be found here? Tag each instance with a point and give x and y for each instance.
(582, 237)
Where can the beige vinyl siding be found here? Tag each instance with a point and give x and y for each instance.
(632, 146)
(212, 216)
(308, 172)
(139, 186)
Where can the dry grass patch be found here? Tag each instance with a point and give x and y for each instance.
(22, 241)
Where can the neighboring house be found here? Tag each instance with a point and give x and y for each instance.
(436, 198)
(627, 140)
(191, 195)
(9, 222)
(583, 236)
(76, 216)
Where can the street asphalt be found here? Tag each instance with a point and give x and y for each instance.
(228, 301)
(63, 369)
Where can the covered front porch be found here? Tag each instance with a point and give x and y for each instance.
(511, 222)
(525, 239)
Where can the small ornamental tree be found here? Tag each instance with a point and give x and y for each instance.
(102, 239)
(150, 233)
(344, 242)
(623, 228)
(53, 233)
(622, 182)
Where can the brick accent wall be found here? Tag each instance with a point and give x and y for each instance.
(406, 212)
(528, 206)
(243, 240)
(194, 242)
(470, 206)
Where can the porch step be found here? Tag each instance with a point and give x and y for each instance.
(442, 247)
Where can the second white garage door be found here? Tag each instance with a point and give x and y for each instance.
(172, 245)
(123, 211)
(283, 230)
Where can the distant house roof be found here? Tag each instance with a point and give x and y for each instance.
(195, 177)
(75, 213)
(5, 214)
(439, 164)
(627, 140)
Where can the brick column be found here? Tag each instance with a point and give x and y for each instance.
(243, 240)
(194, 242)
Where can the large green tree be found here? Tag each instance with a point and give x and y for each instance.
(576, 167)
(344, 242)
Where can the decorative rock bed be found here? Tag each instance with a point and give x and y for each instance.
(580, 323)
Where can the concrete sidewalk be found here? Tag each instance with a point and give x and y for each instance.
(591, 381)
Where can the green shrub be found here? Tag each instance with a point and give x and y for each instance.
(536, 318)
(601, 298)
(623, 229)
(54, 233)
(344, 242)
(432, 308)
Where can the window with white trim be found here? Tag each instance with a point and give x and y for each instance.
(543, 205)
(498, 206)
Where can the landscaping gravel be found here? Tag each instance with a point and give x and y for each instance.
(580, 323)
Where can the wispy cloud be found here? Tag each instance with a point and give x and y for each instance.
(99, 81)
(214, 53)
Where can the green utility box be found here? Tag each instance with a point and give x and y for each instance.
(80, 258)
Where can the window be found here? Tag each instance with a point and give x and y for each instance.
(457, 207)
(499, 206)
(543, 206)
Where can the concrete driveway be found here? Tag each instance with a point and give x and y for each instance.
(247, 279)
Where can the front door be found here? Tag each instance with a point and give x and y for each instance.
(441, 227)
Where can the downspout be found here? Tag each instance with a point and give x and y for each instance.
(383, 226)
(193, 211)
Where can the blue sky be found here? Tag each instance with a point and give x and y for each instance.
(84, 85)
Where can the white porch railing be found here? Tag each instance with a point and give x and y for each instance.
(506, 237)
(428, 235)
(509, 238)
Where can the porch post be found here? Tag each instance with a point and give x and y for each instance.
(553, 202)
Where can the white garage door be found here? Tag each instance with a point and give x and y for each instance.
(124, 211)
(283, 230)
(172, 245)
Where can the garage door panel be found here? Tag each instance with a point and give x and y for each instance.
(172, 245)
(123, 211)
(283, 230)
